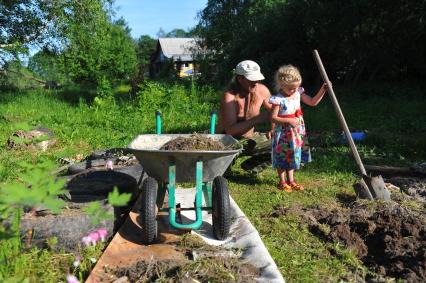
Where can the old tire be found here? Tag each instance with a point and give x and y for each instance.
(221, 208)
(148, 217)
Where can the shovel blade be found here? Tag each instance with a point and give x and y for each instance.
(377, 187)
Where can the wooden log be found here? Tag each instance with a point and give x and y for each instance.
(390, 170)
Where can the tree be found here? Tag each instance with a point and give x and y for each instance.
(96, 49)
(24, 23)
(145, 48)
(177, 32)
(360, 39)
(47, 64)
(91, 47)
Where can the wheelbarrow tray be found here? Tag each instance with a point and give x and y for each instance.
(155, 162)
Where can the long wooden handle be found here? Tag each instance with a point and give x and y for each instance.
(339, 113)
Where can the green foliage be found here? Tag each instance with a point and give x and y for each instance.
(23, 126)
(177, 32)
(145, 47)
(358, 40)
(15, 76)
(81, 43)
(96, 48)
(98, 214)
(167, 71)
(48, 65)
(45, 265)
(176, 102)
(117, 199)
(104, 93)
(36, 188)
(23, 23)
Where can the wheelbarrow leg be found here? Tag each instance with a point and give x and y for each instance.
(161, 195)
(207, 193)
(198, 197)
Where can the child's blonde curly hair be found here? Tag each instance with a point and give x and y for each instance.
(287, 75)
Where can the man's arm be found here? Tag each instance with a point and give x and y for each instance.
(266, 95)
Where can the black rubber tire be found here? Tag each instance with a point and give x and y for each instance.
(221, 208)
(148, 217)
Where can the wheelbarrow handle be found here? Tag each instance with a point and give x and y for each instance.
(339, 113)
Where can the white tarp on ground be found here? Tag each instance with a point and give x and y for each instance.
(242, 236)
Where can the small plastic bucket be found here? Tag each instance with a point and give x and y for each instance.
(356, 136)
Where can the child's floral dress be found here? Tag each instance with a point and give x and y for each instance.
(288, 141)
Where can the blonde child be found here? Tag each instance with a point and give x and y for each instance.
(289, 130)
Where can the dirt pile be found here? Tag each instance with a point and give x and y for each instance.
(39, 138)
(193, 142)
(415, 188)
(388, 238)
(213, 269)
(203, 263)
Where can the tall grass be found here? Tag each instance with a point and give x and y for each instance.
(83, 127)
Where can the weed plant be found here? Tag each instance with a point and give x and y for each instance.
(393, 119)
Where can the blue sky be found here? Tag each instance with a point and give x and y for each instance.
(148, 16)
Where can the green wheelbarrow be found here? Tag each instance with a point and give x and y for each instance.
(165, 168)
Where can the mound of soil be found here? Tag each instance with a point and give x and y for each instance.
(413, 187)
(203, 263)
(212, 269)
(193, 142)
(39, 138)
(388, 238)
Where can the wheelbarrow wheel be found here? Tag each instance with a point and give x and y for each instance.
(221, 208)
(148, 217)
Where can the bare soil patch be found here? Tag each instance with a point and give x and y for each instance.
(203, 263)
(38, 138)
(414, 188)
(193, 142)
(388, 237)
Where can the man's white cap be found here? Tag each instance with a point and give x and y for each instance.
(250, 70)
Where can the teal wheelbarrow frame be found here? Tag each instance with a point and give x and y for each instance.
(166, 168)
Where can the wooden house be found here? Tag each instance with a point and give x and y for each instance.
(178, 52)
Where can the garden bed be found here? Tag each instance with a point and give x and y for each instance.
(388, 237)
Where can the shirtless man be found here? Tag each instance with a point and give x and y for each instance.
(241, 103)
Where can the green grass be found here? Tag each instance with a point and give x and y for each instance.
(300, 256)
(44, 265)
(392, 116)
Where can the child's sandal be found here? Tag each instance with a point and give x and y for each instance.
(283, 186)
(297, 187)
